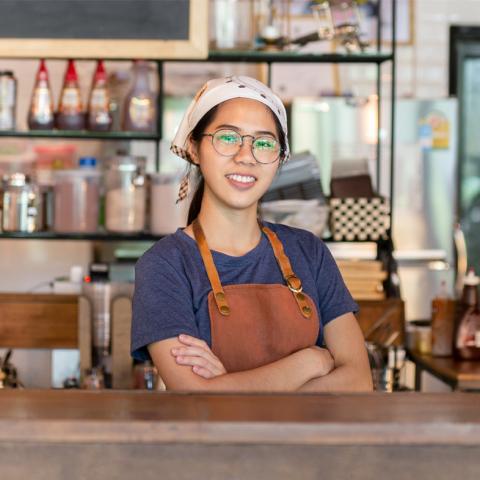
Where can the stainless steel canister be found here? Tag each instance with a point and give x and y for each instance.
(22, 204)
(8, 100)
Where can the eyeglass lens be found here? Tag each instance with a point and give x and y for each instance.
(265, 149)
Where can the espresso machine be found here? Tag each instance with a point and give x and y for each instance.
(105, 316)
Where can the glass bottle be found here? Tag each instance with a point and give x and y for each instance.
(70, 109)
(443, 319)
(467, 332)
(140, 105)
(99, 118)
(8, 100)
(40, 113)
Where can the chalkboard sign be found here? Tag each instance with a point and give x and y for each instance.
(154, 29)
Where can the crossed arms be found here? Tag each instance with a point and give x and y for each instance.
(186, 363)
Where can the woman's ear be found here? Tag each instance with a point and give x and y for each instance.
(192, 150)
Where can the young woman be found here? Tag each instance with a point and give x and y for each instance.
(230, 303)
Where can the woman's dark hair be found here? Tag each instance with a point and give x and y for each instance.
(196, 136)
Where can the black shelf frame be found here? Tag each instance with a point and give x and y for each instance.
(79, 135)
(100, 236)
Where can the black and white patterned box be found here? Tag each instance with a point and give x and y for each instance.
(363, 219)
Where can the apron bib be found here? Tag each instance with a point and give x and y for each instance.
(256, 324)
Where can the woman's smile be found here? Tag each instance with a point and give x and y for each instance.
(241, 182)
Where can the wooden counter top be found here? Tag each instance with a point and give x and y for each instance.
(115, 435)
(155, 417)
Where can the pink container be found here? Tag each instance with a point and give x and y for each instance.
(51, 158)
(77, 195)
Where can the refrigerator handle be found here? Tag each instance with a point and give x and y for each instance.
(461, 254)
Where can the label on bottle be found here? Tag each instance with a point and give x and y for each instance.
(141, 112)
(70, 102)
(99, 107)
(42, 109)
(99, 100)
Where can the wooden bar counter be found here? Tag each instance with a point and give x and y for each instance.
(153, 435)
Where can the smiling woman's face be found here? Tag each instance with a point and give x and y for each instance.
(239, 181)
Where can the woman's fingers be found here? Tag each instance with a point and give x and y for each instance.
(188, 340)
(197, 351)
(203, 372)
(194, 361)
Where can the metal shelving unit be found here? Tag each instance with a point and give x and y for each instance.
(376, 57)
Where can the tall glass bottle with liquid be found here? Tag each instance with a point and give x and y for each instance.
(40, 113)
(99, 118)
(140, 105)
(70, 114)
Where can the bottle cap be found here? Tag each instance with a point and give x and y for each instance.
(71, 73)
(471, 279)
(100, 73)
(87, 162)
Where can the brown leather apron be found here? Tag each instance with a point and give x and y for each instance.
(255, 324)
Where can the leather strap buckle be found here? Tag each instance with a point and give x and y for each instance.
(294, 283)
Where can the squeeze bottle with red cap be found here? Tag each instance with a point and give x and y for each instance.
(40, 113)
(99, 117)
(70, 109)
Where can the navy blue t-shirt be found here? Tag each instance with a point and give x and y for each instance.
(171, 283)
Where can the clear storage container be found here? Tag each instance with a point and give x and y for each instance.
(76, 194)
(125, 198)
(165, 214)
(22, 204)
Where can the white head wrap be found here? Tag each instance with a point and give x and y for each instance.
(220, 90)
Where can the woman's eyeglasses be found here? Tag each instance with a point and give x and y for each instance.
(265, 149)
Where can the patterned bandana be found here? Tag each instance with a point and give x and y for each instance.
(220, 90)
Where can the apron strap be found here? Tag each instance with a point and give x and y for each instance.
(212, 273)
(293, 282)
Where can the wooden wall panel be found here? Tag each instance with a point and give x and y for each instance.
(38, 320)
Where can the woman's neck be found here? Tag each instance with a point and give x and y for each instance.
(234, 232)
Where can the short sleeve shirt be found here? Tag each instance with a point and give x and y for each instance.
(172, 287)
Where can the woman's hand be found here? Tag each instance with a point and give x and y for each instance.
(197, 354)
(323, 359)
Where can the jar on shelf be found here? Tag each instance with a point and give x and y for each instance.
(232, 24)
(50, 158)
(125, 194)
(165, 214)
(22, 204)
(76, 194)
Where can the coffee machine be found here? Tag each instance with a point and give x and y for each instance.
(101, 329)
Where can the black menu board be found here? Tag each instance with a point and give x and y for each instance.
(105, 28)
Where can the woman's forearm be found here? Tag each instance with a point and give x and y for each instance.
(345, 378)
(286, 374)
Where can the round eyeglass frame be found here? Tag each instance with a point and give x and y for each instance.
(212, 135)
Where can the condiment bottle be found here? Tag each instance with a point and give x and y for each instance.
(443, 321)
(99, 118)
(467, 332)
(8, 100)
(70, 109)
(40, 113)
(140, 105)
